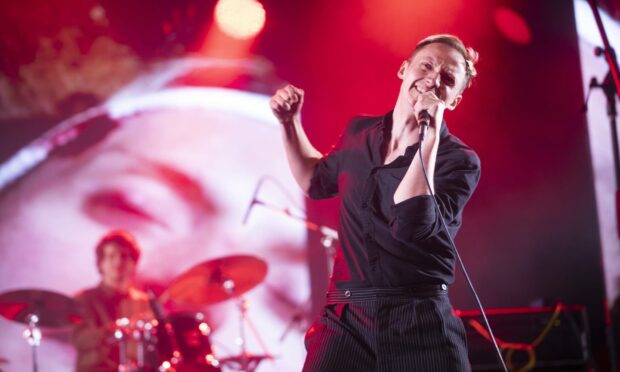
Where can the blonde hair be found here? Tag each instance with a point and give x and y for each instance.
(469, 54)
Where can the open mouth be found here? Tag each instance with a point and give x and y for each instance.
(415, 86)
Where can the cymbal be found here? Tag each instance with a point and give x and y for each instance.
(217, 280)
(53, 309)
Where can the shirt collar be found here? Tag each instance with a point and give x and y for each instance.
(385, 125)
(382, 130)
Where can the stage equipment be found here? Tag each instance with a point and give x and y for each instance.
(216, 280)
(533, 338)
(219, 280)
(38, 308)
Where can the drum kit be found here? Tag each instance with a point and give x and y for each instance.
(173, 342)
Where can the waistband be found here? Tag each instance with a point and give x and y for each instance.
(336, 296)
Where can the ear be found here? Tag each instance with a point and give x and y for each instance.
(402, 69)
(455, 103)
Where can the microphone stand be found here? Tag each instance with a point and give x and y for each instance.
(611, 88)
(328, 237)
(329, 234)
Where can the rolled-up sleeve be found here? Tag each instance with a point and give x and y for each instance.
(324, 181)
(456, 178)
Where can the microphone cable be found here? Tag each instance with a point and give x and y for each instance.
(458, 256)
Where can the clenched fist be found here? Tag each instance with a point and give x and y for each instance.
(286, 104)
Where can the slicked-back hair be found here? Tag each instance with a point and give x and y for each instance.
(469, 54)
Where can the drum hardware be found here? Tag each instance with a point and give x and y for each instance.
(119, 335)
(33, 335)
(219, 280)
(206, 283)
(38, 308)
(244, 362)
(216, 280)
(191, 334)
(143, 333)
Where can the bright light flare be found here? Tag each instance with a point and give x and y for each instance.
(240, 19)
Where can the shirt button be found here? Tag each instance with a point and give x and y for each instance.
(347, 293)
(444, 287)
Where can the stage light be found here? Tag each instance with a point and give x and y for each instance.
(513, 26)
(240, 19)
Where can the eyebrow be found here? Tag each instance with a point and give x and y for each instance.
(450, 67)
(180, 183)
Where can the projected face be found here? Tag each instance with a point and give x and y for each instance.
(180, 180)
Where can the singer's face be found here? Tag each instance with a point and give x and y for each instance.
(180, 180)
(436, 67)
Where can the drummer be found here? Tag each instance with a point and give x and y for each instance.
(114, 298)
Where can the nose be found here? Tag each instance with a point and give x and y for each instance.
(432, 80)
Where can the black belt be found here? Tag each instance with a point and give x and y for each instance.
(337, 296)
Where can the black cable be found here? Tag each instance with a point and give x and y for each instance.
(458, 256)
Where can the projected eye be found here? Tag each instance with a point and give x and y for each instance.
(139, 202)
(137, 193)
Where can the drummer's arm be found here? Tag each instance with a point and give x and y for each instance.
(88, 334)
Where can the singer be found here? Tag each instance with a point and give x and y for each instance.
(387, 307)
(115, 297)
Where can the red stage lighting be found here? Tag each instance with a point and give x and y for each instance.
(240, 19)
(512, 26)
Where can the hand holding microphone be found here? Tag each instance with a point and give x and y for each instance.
(424, 120)
(429, 112)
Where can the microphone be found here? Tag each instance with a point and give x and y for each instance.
(253, 201)
(247, 211)
(424, 120)
(155, 306)
(165, 329)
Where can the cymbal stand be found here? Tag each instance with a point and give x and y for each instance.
(246, 363)
(33, 335)
(119, 336)
(140, 335)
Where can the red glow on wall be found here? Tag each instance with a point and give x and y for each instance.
(512, 26)
(400, 24)
(218, 44)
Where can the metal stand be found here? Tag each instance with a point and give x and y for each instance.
(245, 362)
(119, 336)
(33, 336)
(611, 87)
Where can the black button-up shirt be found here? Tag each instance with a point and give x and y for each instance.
(383, 244)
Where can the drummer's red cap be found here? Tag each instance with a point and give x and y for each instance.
(123, 239)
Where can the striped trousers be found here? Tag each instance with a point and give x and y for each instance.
(387, 330)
